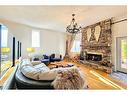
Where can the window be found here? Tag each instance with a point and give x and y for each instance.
(5, 56)
(76, 46)
(35, 38)
(4, 36)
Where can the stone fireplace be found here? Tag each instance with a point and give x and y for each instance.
(96, 43)
(93, 57)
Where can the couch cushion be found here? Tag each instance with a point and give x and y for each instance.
(37, 72)
(35, 62)
(47, 75)
(25, 62)
(41, 67)
(57, 55)
(23, 82)
(30, 72)
(46, 57)
(37, 57)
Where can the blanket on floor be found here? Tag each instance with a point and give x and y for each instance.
(70, 78)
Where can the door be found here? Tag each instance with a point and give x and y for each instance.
(122, 54)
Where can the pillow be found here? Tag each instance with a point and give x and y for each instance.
(20, 59)
(41, 67)
(36, 62)
(33, 71)
(37, 57)
(38, 72)
(46, 57)
(40, 57)
(57, 55)
(52, 55)
(30, 72)
(25, 62)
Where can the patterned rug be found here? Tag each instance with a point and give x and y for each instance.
(119, 76)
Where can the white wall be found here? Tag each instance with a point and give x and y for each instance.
(118, 30)
(51, 41)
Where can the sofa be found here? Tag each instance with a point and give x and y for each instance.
(55, 57)
(42, 58)
(34, 76)
(38, 76)
(45, 58)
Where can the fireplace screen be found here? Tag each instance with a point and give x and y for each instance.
(93, 57)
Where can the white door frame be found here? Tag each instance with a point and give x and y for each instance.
(118, 54)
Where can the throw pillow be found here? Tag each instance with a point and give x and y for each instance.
(35, 62)
(57, 55)
(30, 72)
(46, 57)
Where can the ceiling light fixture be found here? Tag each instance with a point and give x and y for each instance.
(73, 27)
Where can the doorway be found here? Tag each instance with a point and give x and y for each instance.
(122, 54)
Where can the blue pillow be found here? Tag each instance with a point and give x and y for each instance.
(46, 57)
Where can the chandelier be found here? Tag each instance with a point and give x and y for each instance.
(73, 27)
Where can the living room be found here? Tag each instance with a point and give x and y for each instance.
(98, 50)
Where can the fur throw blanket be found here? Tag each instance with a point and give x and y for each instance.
(70, 78)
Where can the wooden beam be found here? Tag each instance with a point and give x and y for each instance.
(119, 21)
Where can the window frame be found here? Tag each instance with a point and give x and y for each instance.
(5, 38)
(35, 38)
(4, 67)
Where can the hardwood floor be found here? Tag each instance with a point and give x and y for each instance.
(6, 76)
(97, 79)
(8, 73)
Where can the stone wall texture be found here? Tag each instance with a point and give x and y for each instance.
(102, 45)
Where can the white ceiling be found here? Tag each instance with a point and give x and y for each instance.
(56, 18)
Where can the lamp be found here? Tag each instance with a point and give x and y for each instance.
(73, 27)
(5, 50)
(4, 55)
(30, 50)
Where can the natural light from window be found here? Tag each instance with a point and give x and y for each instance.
(35, 38)
(76, 46)
(4, 36)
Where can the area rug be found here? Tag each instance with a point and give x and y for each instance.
(119, 76)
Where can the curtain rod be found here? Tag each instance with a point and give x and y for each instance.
(119, 21)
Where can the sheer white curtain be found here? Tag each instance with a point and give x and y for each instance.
(76, 44)
(73, 43)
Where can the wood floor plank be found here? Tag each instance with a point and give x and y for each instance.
(99, 80)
